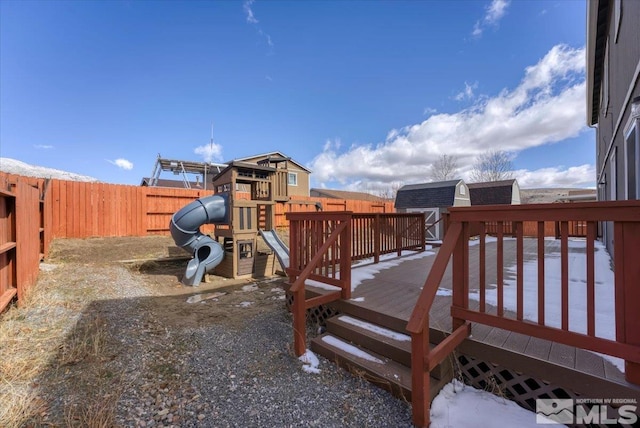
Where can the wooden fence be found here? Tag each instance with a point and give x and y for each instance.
(82, 210)
(22, 235)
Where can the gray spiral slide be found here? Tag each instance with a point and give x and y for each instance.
(185, 231)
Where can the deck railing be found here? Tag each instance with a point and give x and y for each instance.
(320, 250)
(375, 234)
(625, 217)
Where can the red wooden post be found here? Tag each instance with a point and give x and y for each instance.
(627, 281)
(483, 267)
(376, 239)
(345, 260)
(299, 322)
(541, 272)
(420, 379)
(500, 269)
(591, 293)
(458, 278)
(519, 270)
(564, 273)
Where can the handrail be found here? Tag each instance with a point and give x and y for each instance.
(304, 275)
(339, 240)
(420, 315)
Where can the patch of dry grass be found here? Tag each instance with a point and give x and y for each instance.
(86, 342)
(96, 413)
(39, 335)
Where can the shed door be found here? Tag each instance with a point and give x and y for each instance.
(431, 216)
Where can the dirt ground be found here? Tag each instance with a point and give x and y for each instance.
(107, 316)
(157, 262)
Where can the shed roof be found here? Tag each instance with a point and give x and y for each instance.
(427, 195)
(491, 192)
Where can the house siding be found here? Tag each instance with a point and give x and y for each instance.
(620, 71)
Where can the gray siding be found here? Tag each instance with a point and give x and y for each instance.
(621, 62)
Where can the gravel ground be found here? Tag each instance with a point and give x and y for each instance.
(149, 358)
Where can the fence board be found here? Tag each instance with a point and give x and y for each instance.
(27, 236)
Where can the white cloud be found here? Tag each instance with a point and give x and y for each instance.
(581, 175)
(496, 11)
(467, 93)
(429, 111)
(546, 107)
(246, 6)
(251, 19)
(210, 152)
(43, 146)
(122, 163)
(493, 14)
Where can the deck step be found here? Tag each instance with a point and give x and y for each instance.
(383, 341)
(357, 310)
(375, 368)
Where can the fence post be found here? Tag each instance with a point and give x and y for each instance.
(627, 292)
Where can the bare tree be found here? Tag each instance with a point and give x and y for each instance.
(494, 165)
(390, 191)
(445, 168)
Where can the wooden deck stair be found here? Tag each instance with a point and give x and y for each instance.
(375, 345)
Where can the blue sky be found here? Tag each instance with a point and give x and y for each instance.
(367, 94)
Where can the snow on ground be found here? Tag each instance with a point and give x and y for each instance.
(17, 167)
(604, 292)
(462, 406)
(310, 362)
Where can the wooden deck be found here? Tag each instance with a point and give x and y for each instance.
(393, 292)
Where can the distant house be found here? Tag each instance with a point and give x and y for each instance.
(613, 98)
(505, 192)
(432, 199)
(343, 194)
(294, 175)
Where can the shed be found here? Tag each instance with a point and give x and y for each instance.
(504, 192)
(432, 199)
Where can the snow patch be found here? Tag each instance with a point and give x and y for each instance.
(444, 292)
(375, 329)
(604, 292)
(310, 362)
(13, 166)
(245, 304)
(350, 349)
(462, 406)
(357, 299)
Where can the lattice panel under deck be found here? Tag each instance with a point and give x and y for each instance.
(518, 387)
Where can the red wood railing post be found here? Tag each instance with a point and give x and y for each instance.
(399, 224)
(299, 322)
(423, 233)
(627, 285)
(345, 260)
(420, 379)
(458, 278)
(500, 269)
(376, 238)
